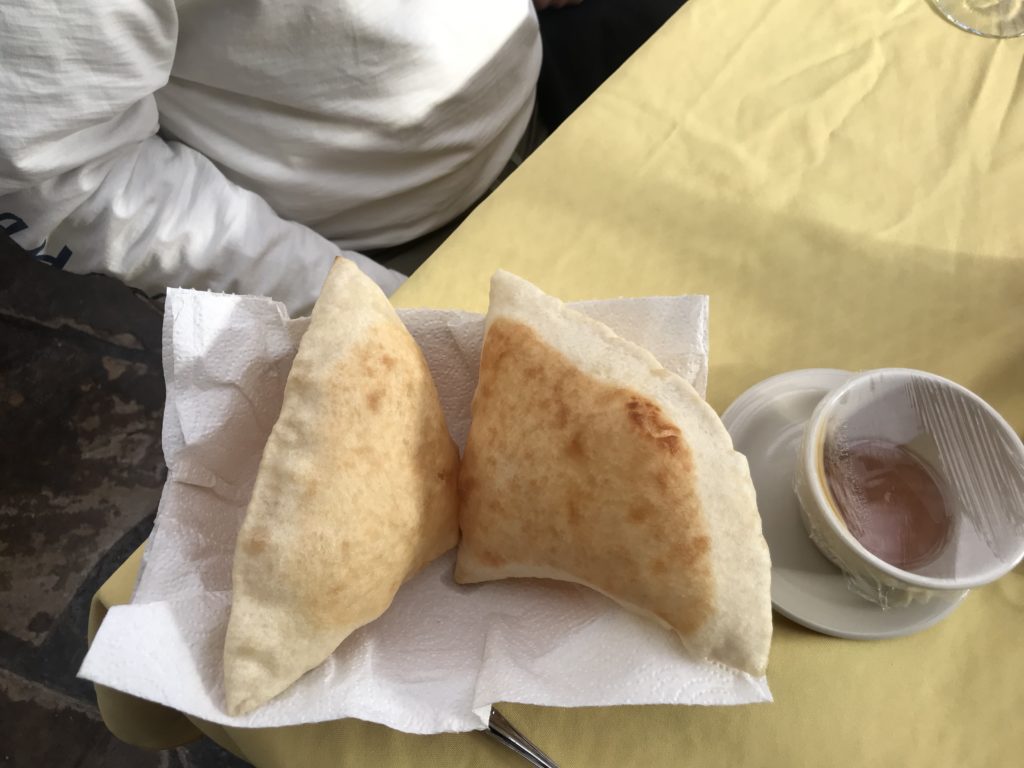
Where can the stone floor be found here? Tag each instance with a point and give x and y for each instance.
(81, 399)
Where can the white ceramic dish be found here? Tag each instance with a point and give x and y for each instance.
(767, 424)
(974, 453)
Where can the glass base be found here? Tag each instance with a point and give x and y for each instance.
(990, 18)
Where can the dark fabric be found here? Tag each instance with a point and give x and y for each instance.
(584, 44)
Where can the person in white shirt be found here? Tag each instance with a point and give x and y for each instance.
(240, 145)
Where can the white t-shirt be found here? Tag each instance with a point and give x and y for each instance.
(238, 145)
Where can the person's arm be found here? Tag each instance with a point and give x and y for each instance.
(87, 185)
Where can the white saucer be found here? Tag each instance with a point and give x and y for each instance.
(766, 423)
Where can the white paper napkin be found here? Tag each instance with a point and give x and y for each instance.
(443, 653)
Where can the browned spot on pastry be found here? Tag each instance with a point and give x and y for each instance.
(693, 550)
(492, 558)
(373, 399)
(256, 542)
(575, 447)
(561, 415)
(640, 514)
(648, 418)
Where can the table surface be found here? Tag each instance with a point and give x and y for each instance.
(845, 183)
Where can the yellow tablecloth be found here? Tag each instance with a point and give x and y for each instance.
(845, 179)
